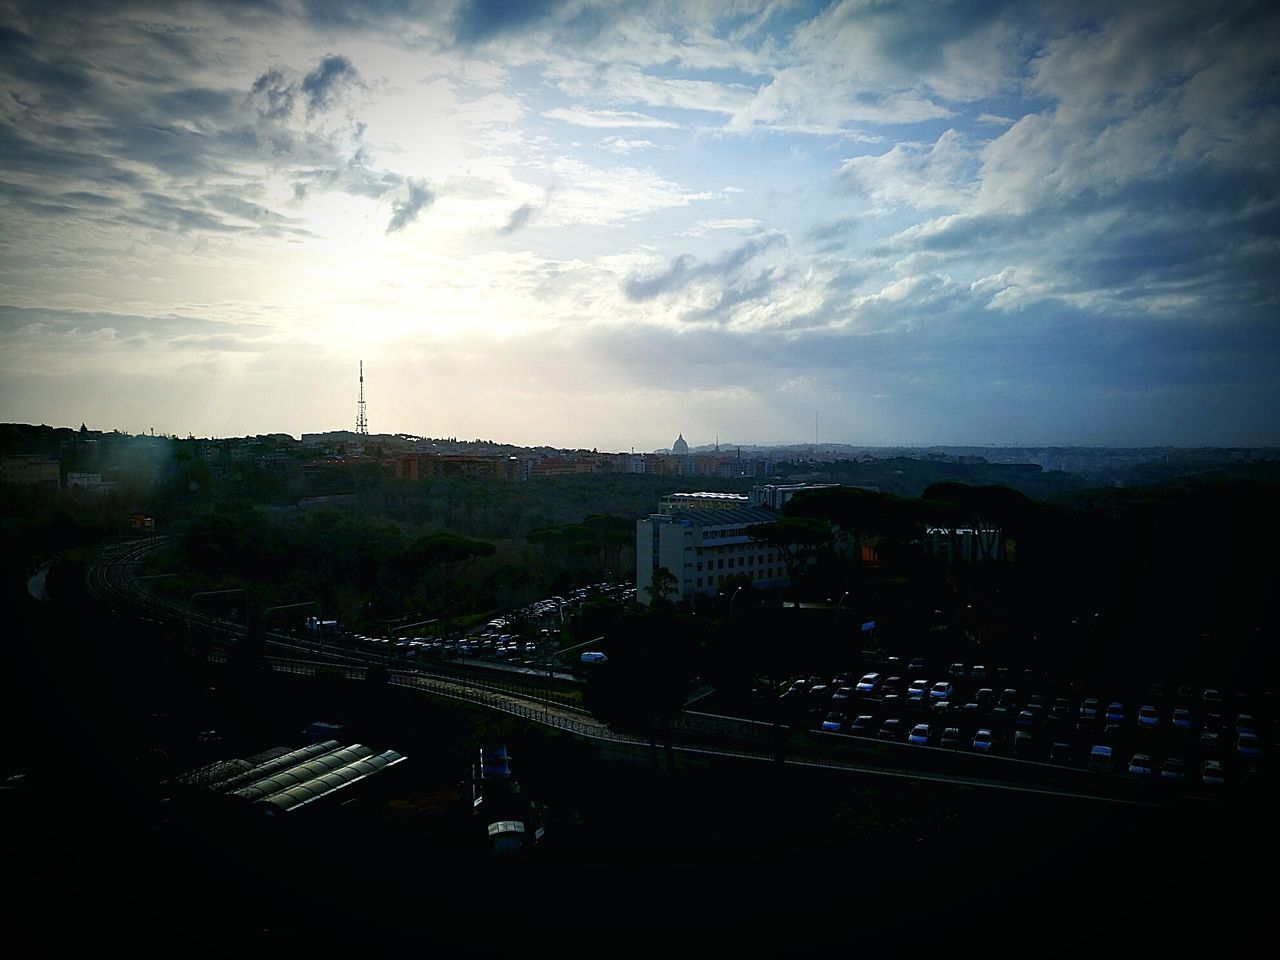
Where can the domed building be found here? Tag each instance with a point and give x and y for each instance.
(680, 448)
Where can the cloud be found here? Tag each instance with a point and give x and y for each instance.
(686, 269)
(405, 211)
(325, 83)
(623, 146)
(275, 95)
(478, 21)
(924, 178)
(608, 118)
(519, 218)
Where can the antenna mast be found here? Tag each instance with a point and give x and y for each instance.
(362, 423)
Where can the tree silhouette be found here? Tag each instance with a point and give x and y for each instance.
(664, 584)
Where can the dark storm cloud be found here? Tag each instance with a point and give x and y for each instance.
(405, 211)
(687, 269)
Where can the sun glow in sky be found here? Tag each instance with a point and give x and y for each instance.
(600, 224)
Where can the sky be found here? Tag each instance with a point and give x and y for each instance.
(603, 224)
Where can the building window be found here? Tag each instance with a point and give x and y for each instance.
(699, 566)
(699, 581)
(720, 565)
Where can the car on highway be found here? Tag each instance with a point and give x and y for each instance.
(919, 734)
(941, 690)
(982, 740)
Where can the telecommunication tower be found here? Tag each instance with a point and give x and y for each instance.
(362, 423)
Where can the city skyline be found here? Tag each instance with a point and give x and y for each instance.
(582, 224)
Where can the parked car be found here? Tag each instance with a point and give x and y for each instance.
(1100, 759)
(1247, 745)
(1172, 770)
(918, 689)
(891, 729)
(979, 672)
(1212, 773)
(869, 683)
(1148, 717)
(863, 726)
(1181, 719)
(1140, 765)
(950, 737)
(942, 690)
(982, 740)
(919, 734)
(1089, 708)
(915, 667)
(835, 722)
(1022, 743)
(1115, 713)
(1060, 752)
(955, 670)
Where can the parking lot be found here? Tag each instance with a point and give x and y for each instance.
(1200, 739)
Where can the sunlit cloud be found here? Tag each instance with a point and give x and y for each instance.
(599, 224)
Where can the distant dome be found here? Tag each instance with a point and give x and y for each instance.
(680, 448)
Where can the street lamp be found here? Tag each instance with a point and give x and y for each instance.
(214, 593)
(732, 599)
(291, 606)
